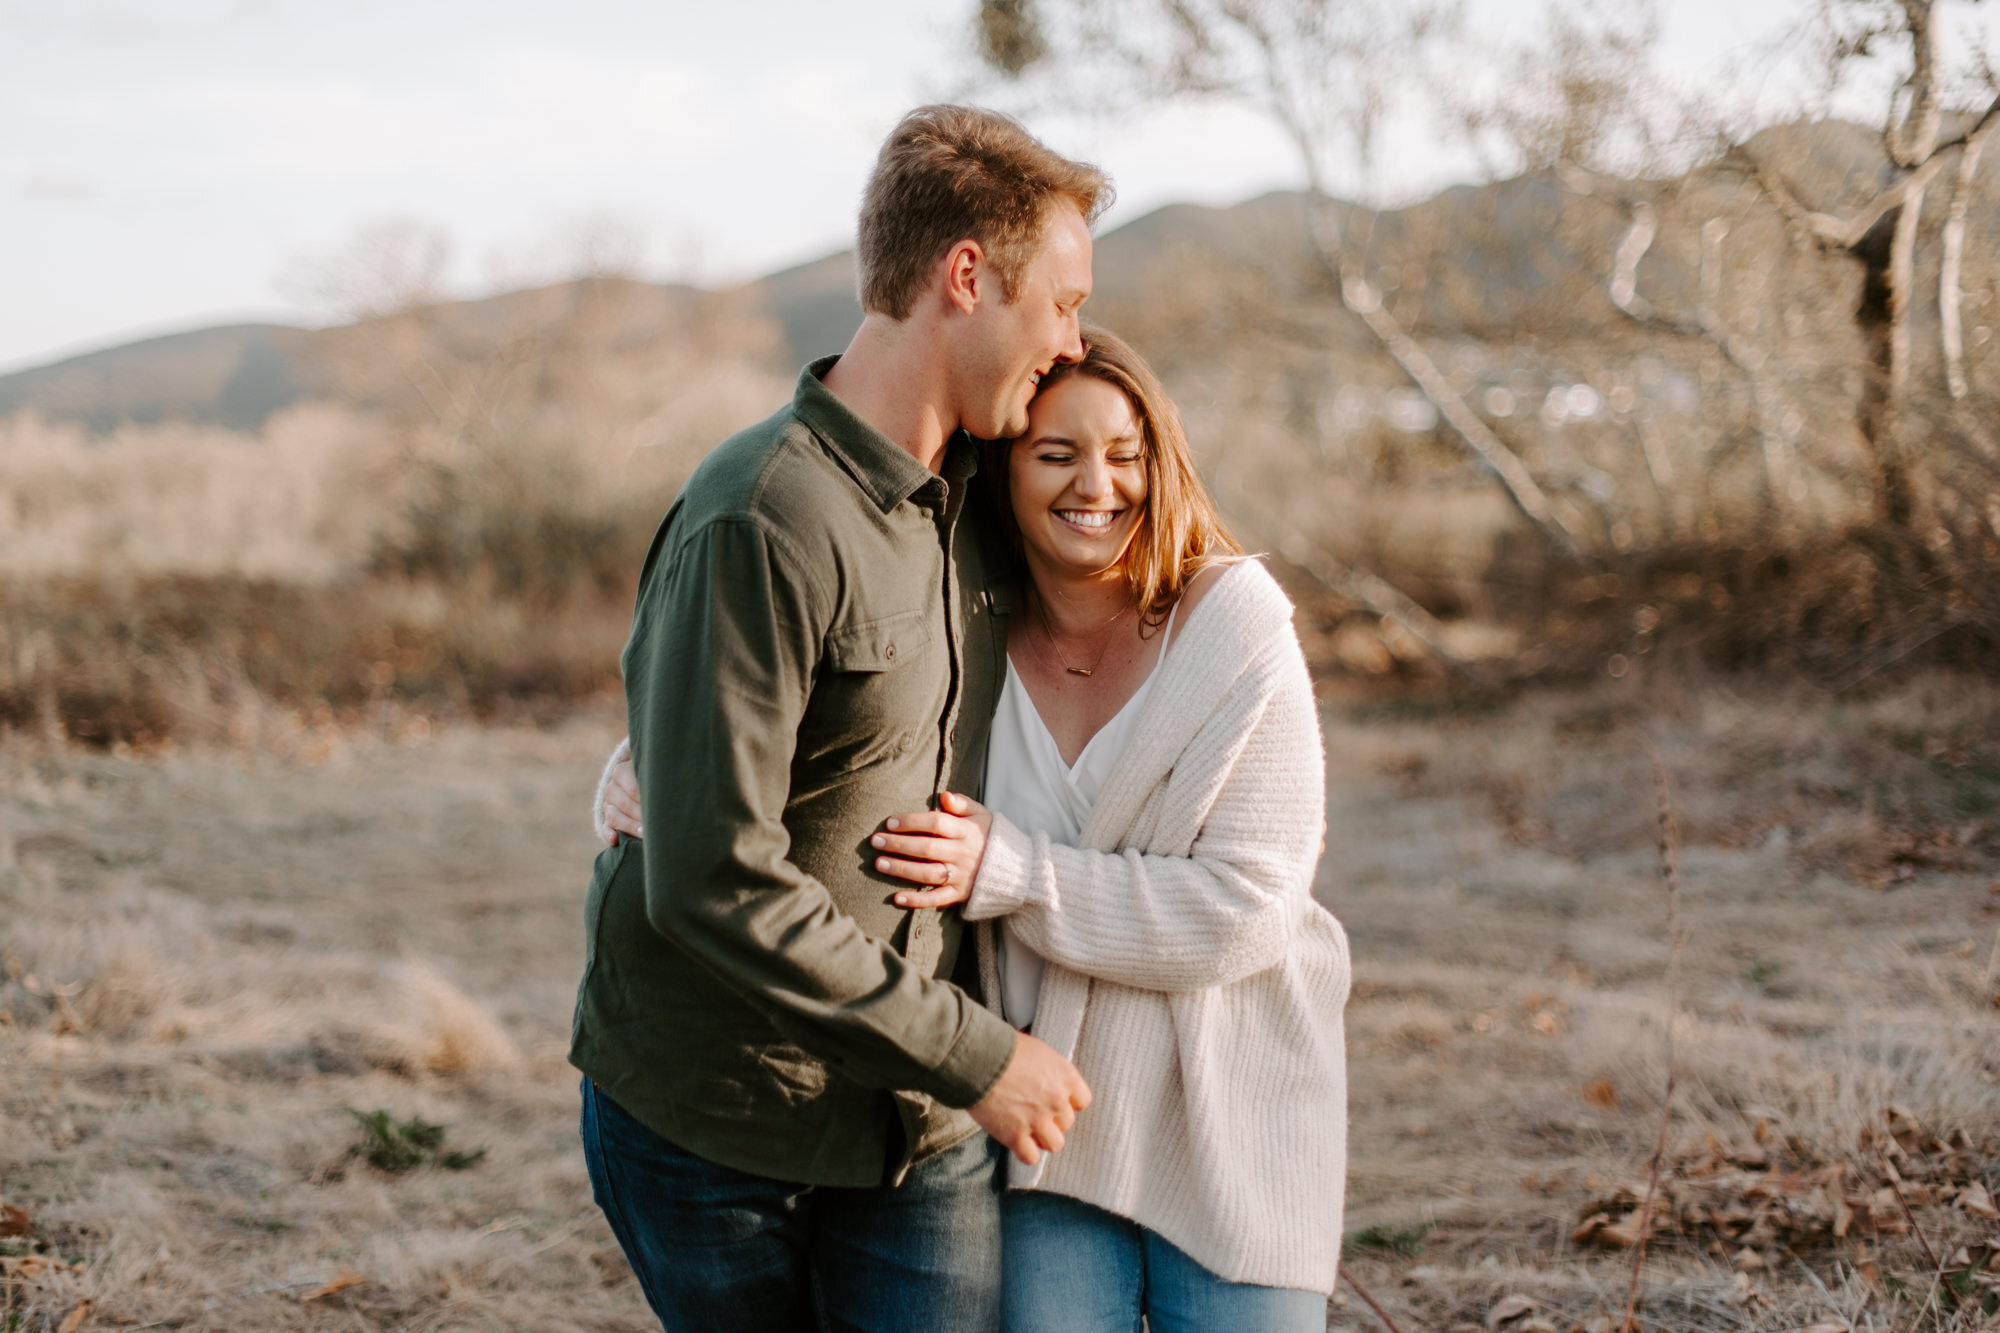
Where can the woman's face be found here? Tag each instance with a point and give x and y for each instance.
(1077, 479)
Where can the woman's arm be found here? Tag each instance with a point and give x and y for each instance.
(1222, 913)
(615, 808)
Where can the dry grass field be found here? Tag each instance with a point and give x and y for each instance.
(213, 955)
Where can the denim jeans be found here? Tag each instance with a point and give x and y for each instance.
(1074, 1268)
(718, 1250)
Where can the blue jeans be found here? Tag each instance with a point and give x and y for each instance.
(1074, 1268)
(718, 1250)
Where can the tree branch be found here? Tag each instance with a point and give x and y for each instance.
(1372, 591)
(1950, 288)
(1846, 233)
(1707, 326)
(1360, 297)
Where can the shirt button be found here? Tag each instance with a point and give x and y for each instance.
(890, 652)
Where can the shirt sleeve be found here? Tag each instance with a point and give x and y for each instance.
(731, 628)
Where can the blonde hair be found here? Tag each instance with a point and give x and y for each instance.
(1180, 532)
(953, 173)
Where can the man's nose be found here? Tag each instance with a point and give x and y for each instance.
(1072, 348)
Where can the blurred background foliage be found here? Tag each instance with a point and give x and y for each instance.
(1684, 378)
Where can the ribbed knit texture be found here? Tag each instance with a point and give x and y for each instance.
(1191, 976)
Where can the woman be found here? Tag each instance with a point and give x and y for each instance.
(1143, 867)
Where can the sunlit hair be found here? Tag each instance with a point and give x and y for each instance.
(953, 173)
(1179, 533)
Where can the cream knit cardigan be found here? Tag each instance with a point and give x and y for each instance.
(1190, 975)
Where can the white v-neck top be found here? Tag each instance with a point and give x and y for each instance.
(1027, 781)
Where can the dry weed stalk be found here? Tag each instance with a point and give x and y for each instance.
(1669, 837)
(1362, 1292)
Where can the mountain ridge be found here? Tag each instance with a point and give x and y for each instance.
(1482, 261)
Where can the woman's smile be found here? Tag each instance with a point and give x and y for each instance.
(1083, 464)
(1093, 521)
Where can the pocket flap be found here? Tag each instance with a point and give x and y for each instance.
(878, 644)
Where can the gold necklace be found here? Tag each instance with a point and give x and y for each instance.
(1042, 610)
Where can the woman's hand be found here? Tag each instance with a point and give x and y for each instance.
(939, 848)
(617, 806)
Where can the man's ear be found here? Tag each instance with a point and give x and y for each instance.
(965, 275)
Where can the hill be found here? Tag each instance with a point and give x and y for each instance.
(1527, 258)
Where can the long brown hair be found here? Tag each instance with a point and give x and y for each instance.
(1180, 533)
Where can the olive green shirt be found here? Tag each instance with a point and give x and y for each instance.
(813, 650)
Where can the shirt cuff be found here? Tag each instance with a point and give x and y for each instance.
(1001, 885)
(976, 1060)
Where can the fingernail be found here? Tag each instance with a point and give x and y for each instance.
(902, 900)
(879, 841)
(895, 823)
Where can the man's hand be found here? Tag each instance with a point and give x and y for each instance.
(1034, 1103)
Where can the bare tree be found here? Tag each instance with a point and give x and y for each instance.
(1882, 235)
(1328, 73)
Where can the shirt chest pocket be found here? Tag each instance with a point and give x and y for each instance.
(880, 688)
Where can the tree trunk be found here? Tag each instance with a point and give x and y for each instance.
(1950, 291)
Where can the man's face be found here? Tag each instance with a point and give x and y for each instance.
(1011, 345)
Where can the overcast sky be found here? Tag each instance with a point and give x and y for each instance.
(164, 164)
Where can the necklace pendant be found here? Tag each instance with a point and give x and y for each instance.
(1076, 671)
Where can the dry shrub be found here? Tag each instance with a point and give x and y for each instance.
(141, 660)
(422, 1022)
(462, 535)
(149, 965)
(294, 502)
(1874, 786)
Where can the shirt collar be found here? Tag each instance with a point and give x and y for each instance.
(883, 469)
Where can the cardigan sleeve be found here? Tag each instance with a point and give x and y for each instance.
(1221, 913)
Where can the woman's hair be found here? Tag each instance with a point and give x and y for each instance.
(1179, 532)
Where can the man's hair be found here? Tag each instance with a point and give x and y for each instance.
(1180, 533)
(954, 173)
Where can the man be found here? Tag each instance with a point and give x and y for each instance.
(772, 1050)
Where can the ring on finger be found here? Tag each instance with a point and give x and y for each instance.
(947, 875)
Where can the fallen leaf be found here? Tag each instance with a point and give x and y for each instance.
(13, 1220)
(1748, 1261)
(1509, 1307)
(1824, 1328)
(1973, 1199)
(1601, 1094)
(340, 1281)
(74, 1319)
(1589, 1227)
(1624, 1233)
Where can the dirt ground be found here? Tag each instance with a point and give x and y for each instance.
(213, 959)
